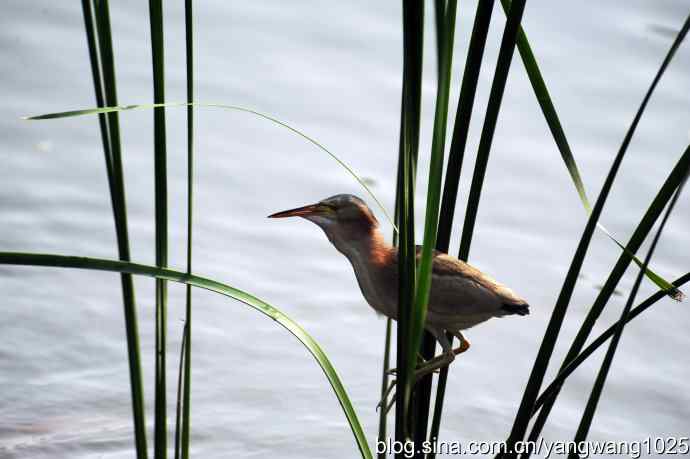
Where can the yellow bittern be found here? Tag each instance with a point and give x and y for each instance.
(461, 296)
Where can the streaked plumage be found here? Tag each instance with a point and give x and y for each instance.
(461, 296)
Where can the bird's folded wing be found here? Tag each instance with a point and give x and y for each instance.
(459, 288)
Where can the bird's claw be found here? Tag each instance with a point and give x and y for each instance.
(388, 405)
(421, 361)
(384, 396)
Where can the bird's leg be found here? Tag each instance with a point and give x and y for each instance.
(464, 342)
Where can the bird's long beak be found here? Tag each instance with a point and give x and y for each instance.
(304, 211)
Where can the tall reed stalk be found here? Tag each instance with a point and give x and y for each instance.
(445, 14)
(413, 29)
(161, 200)
(100, 47)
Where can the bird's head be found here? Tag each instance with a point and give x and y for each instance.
(343, 217)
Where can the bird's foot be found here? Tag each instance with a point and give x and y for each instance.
(442, 360)
(424, 368)
(435, 364)
(420, 362)
(464, 344)
(387, 404)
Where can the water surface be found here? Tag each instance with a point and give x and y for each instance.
(333, 71)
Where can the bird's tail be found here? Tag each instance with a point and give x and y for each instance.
(521, 309)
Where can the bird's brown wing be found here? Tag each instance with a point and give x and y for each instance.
(460, 288)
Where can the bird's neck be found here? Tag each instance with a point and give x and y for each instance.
(369, 249)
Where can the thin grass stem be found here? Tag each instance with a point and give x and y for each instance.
(180, 384)
(384, 388)
(187, 398)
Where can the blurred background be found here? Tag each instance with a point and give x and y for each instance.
(332, 70)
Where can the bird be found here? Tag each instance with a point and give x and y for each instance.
(461, 296)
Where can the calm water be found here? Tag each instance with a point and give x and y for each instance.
(334, 71)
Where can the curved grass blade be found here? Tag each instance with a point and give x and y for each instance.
(121, 108)
(599, 341)
(554, 123)
(597, 389)
(548, 109)
(99, 264)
